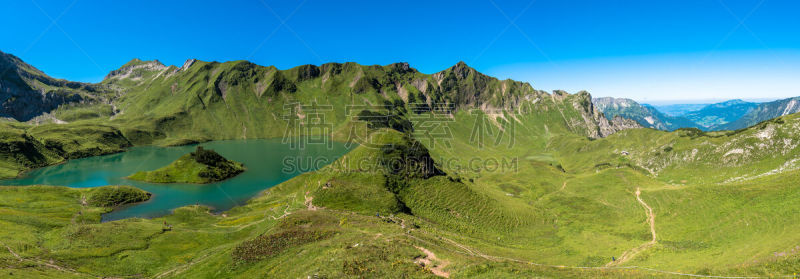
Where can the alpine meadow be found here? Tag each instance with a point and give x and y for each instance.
(234, 169)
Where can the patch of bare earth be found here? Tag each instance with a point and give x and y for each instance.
(651, 220)
(432, 263)
(309, 202)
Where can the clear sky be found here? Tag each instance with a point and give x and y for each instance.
(645, 50)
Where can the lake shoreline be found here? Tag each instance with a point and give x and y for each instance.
(265, 159)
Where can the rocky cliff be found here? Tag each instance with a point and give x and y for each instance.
(26, 92)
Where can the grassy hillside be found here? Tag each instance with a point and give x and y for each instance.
(356, 220)
(693, 156)
(23, 146)
(297, 217)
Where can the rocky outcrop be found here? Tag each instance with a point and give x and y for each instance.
(597, 125)
(464, 87)
(136, 69)
(26, 92)
(187, 64)
(620, 123)
(24, 105)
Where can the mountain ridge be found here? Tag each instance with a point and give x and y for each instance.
(714, 116)
(147, 102)
(730, 115)
(26, 92)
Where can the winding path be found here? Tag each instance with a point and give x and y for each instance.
(49, 264)
(431, 262)
(651, 219)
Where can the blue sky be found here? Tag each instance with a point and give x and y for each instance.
(645, 50)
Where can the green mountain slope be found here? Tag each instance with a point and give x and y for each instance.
(149, 103)
(209, 100)
(24, 146)
(451, 220)
(645, 115)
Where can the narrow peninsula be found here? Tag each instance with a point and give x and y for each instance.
(199, 167)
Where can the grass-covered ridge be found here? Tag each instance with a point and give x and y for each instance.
(24, 146)
(146, 102)
(201, 166)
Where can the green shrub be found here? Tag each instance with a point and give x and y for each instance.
(111, 196)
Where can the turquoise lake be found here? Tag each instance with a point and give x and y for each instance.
(264, 160)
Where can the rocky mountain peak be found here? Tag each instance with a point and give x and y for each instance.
(401, 67)
(462, 70)
(188, 63)
(135, 68)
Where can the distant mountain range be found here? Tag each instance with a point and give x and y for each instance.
(728, 115)
(28, 94)
(646, 115)
(763, 112)
(714, 115)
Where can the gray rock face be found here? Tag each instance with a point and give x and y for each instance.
(24, 105)
(136, 67)
(620, 123)
(598, 126)
(26, 92)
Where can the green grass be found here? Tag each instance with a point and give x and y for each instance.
(23, 147)
(78, 112)
(595, 215)
(111, 196)
(201, 167)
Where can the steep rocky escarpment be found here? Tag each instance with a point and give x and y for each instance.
(597, 124)
(26, 92)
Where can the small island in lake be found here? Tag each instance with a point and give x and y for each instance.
(201, 166)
